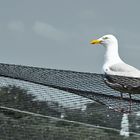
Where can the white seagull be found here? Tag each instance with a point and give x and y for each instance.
(113, 64)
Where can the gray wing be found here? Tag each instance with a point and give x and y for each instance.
(123, 84)
(130, 82)
(123, 67)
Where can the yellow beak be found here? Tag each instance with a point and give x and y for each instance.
(95, 41)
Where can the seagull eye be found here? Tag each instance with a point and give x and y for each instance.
(105, 38)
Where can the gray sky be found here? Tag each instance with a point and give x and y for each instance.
(56, 33)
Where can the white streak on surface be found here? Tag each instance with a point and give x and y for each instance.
(124, 126)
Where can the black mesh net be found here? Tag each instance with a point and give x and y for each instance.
(39, 103)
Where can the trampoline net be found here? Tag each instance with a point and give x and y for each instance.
(39, 103)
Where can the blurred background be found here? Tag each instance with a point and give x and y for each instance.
(56, 34)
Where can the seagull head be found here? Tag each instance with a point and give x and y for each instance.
(106, 40)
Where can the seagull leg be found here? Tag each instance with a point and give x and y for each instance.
(121, 95)
(130, 102)
(121, 98)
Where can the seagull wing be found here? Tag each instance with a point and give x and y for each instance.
(124, 77)
(124, 69)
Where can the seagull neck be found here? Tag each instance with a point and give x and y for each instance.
(112, 55)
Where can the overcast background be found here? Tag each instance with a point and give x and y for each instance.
(56, 33)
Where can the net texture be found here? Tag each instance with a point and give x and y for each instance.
(39, 103)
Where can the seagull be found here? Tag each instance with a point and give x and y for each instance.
(113, 64)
